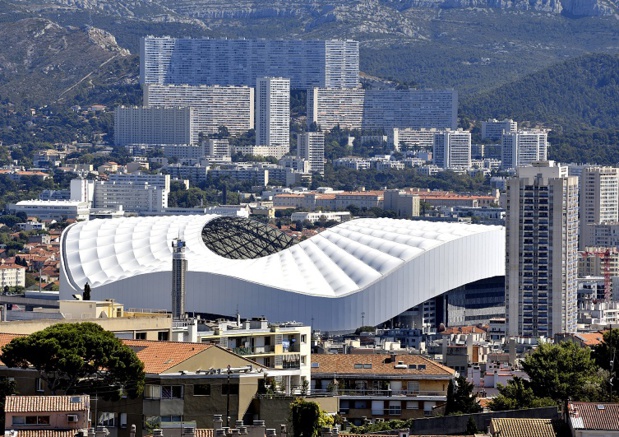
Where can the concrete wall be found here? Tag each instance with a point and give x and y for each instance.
(457, 424)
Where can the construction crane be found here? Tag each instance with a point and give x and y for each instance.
(604, 253)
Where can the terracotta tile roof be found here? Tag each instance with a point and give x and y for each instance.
(590, 338)
(46, 433)
(465, 330)
(523, 427)
(380, 364)
(594, 416)
(36, 404)
(11, 266)
(159, 356)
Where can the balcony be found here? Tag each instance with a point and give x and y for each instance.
(379, 393)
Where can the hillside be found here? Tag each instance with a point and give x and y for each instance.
(470, 45)
(581, 93)
(42, 62)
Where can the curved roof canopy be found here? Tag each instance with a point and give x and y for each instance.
(380, 267)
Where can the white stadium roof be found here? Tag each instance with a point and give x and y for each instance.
(379, 267)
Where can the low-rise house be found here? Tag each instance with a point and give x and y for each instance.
(593, 419)
(382, 386)
(57, 413)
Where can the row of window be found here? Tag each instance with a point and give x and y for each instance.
(154, 391)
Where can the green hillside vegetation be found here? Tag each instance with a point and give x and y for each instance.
(581, 93)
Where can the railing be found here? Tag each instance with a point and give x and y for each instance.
(377, 392)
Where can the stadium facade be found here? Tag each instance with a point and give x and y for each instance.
(362, 271)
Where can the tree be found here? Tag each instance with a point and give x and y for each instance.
(308, 418)
(562, 371)
(86, 295)
(517, 395)
(78, 358)
(460, 397)
(7, 388)
(605, 355)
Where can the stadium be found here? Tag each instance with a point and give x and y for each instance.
(362, 271)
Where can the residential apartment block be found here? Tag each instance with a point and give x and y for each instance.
(12, 275)
(452, 149)
(130, 197)
(382, 386)
(154, 125)
(213, 106)
(273, 111)
(494, 129)
(308, 63)
(382, 109)
(599, 201)
(311, 146)
(523, 148)
(541, 251)
(411, 138)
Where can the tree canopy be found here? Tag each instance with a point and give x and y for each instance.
(605, 355)
(562, 371)
(308, 418)
(517, 394)
(78, 358)
(460, 398)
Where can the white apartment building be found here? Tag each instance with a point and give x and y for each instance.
(195, 174)
(218, 148)
(382, 109)
(494, 129)
(158, 180)
(131, 196)
(411, 138)
(338, 216)
(52, 209)
(12, 275)
(278, 151)
(273, 111)
(308, 63)
(452, 149)
(154, 125)
(311, 146)
(541, 251)
(523, 148)
(253, 175)
(295, 163)
(605, 234)
(184, 151)
(599, 201)
(352, 163)
(213, 106)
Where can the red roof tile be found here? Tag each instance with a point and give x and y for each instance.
(45, 433)
(377, 364)
(159, 356)
(38, 404)
(594, 416)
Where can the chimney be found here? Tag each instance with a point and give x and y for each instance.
(218, 422)
(157, 433)
(133, 430)
(271, 432)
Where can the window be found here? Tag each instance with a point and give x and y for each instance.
(122, 420)
(107, 419)
(395, 408)
(367, 366)
(172, 418)
(38, 385)
(303, 360)
(303, 338)
(171, 392)
(378, 408)
(234, 389)
(37, 420)
(19, 420)
(163, 336)
(412, 405)
(152, 391)
(202, 390)
(358, 366)
(140, 335)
